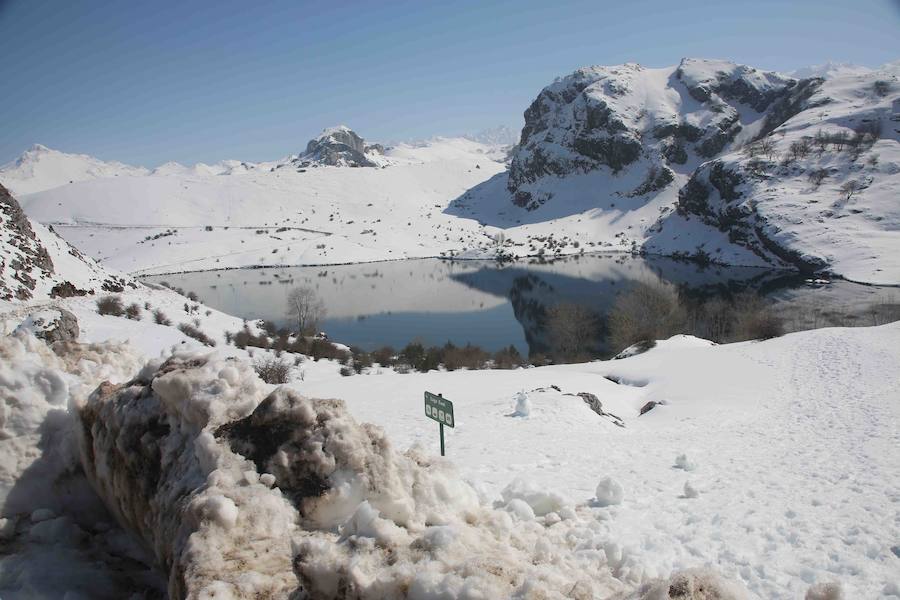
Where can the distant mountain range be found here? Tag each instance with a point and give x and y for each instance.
(707, 160)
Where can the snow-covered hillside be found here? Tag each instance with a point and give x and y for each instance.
(37, 264)
(770, 463)
(707, 159)
(276, 213)
(41, 168)
(610, 154)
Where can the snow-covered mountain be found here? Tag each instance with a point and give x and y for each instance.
(669, 161)
(36, 264)
(707, 159)
(339, 147)
(41, 168)
(830, 69)
(495, 136)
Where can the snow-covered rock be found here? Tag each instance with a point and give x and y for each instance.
(723, 162)
(35, 263)
(339, 147)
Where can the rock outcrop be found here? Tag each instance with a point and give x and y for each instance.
(610, 117)
(339, 147)
(36, 263)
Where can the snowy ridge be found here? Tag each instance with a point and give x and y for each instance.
(41, 168)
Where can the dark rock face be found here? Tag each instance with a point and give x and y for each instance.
(28, 259)
(63, 329)
(338, 147)
(621, 118)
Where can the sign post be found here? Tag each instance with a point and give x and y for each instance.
(439, 409)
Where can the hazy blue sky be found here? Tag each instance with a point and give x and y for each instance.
(146, 82)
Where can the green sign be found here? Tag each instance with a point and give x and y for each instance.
(439, 408)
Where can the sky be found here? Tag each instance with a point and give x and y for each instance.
(149, 82)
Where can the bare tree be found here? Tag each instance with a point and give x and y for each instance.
(572, 328)
(850, 187)
(817, 176)
(840, 140)
(799, 149)
(821, 140)
(304, 306)
(648, 311)
(767, 147)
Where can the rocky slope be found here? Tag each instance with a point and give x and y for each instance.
(760, 159)
(339, 147)
(33, 260)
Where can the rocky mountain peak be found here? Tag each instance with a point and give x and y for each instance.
(338, 147)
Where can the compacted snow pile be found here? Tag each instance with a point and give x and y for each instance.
(243, 494)
(56, 537)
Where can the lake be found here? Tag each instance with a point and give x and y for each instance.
(495, 305)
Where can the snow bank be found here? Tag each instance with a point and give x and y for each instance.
(243, 494)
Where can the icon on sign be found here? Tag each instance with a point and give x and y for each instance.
(441, 415)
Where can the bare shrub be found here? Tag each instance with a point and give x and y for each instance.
(160, 318)
(571, 328)
(384, 356)
(799, 149)
(466, 357)
(507, 358)
(850, 187)
(272, 369)
(817, 176)
(305, 307)
(110, 305)
(882, 87)
(648, 311)
(133, 311)
(754, 319)
(193, 332)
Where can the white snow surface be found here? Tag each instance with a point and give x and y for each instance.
(41, 168)
(449, 196)
(798, 484)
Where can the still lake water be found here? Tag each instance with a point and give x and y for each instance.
(494, 305)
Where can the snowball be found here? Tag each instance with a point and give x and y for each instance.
(825, 591)
(523, 405)
(609, 492)
(690, 491)
(540, 500)
(520, 509)
(683, 462)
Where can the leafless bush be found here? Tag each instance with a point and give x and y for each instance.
(850, 187)
(193, 332)
(110, 305)
(272, 369)
(571, 329)
(648, 311)
(160, 318)
(754, 319)
(799, 149)
(817, 176)
(133, 311)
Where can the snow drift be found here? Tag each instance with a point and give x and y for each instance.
(241, 493)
